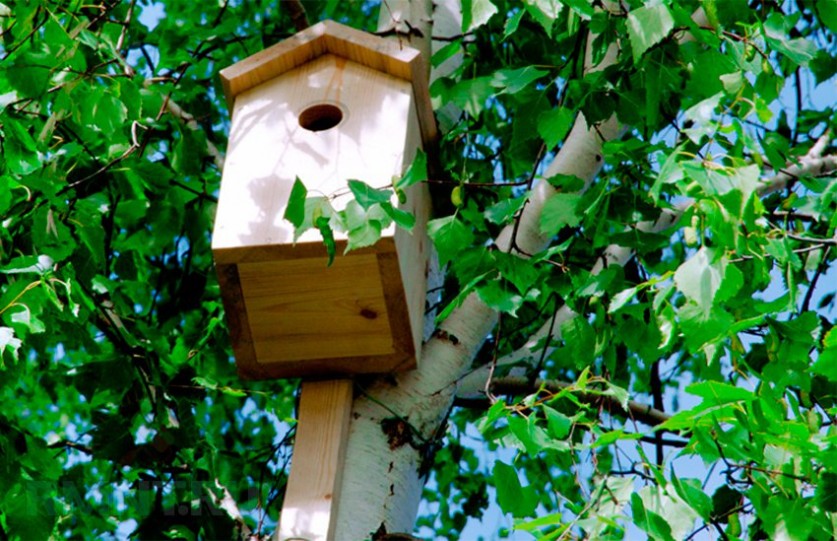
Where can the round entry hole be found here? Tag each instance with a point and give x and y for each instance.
(320, 117)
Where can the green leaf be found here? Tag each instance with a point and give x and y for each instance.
(826, 364)
(733, 82)
(699, 278)
(827, 12)
(515, 80)
(798, 50)
(295, 211)
(826, 491)
(402, 218)
(52, 237)
(19, 150)
(557, 423)
(560, 210)
(580, 340)
(504, 210)
(700, 327)
(20, 265)
(692, 493)
(621, 299)
(582, 7)
(498, 297)
(716, 393)
(317, 207)
(512, 23)
(701, 114)
(724, 501)
(365, 194)
(109, 114)
(364, 227)
(446, 52)
(544, 12)
(457, 301)
(417, 172)
(8, 342)
(512, 497)
(472, 94)
(450, 236)
(648, 521)
(612, 436)
(476, 13)
(648, 26)
(29, 510)
(180, 532)
(554, 125)
(670, 173)
(522, 273)
(324, 225)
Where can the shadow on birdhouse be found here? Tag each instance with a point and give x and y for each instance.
(328, 105)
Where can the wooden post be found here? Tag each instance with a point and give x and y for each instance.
(312, 494)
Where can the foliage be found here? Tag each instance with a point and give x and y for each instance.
(727, 298)
(127, 415)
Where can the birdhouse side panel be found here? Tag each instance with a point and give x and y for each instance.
(413, 246)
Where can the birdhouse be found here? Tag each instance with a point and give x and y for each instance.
(327, 105)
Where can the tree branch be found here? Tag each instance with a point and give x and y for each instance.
(297, 13)
(813, 163)
(515, 385)
(228, 504)
(828, 242)
(193, 125)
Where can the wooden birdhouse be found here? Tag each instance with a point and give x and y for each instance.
(327, 105)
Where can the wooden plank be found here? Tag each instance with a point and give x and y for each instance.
(235, 309)
(334, 368)
(329, 37)
(412, 247)
(313, 490)
(322, 38)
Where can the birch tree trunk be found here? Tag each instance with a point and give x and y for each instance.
(397, 420)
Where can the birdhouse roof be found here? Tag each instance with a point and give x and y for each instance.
(329, 37)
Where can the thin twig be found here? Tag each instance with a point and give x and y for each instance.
(127, 69)
(813, 240)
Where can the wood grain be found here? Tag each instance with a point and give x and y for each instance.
(313, 490)
(300, 309)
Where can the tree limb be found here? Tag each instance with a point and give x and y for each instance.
(228, 504)
(297, 13)
(516, 385)
(193, 125)
(813, 163)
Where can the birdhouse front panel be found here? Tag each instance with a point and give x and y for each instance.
(325, 121)
(282, 130)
